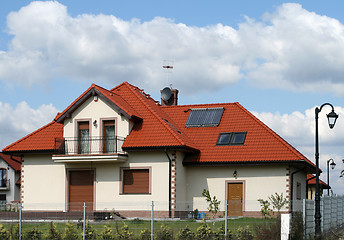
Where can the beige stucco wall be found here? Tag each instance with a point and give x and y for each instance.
(298, 177)
(259, 182)
(91, 110)
(43, 184)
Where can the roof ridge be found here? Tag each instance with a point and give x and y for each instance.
(27, 136)
(277, 136)
(165, 124)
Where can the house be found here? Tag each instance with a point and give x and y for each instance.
(120, 149)
(9, 178)
(311, 186)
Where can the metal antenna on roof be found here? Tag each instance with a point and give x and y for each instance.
(168, 67)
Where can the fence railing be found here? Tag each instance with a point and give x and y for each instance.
(89, 145)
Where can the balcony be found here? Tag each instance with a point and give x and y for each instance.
(89, 149)
(4, 184)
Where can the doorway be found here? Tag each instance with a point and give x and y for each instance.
(235, 198)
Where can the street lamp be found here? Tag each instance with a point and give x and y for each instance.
(332, 118)
(333, 165)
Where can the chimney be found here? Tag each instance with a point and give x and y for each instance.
(169, 97)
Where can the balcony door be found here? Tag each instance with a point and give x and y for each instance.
(109, 136)
(84, 137)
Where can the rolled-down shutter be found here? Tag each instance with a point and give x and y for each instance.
(136, 181)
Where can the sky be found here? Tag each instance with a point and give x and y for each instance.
(278, 59)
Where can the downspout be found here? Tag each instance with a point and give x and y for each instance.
(292, 187)
(169, 184)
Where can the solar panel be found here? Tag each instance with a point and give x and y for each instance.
(204, 117)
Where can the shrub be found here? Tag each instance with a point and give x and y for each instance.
(70, 232)
(278, 201)
(4, 234)
(164, 233)
(297, 226)
(267, 231)
(204, 232)
(219, 234)
(53, 233)
(244, 233)
(14, 231)
(265, 210)
(186, 234)
(33, 234)
(90, 233)
(195, 213)
(145, 234)
(107, 233)
(125, 234)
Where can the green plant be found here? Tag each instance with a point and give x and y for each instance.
(90, 233)
(33, 234)
(244, 233)
(14, 231)
(265, 210)
(125, 234)
(164, 233)
(53, 234)
(107, 233)
(4, 234)
(145, 234)
(297, 226)
(195, 213)
(70, 232)
(204, 232)
(213, 207)
(270, 230)
(186, 234)
(219, 234)
(278, 201)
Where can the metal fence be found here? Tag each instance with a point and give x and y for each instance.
(151, 219)
(332, 212)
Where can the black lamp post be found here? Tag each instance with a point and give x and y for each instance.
(332, 117)
(333, 165)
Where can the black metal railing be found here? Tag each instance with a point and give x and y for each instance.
(91, 145)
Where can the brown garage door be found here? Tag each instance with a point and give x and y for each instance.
(81, 190)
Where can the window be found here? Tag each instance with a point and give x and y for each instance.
(3, 177)
(135, 181)
(298, 191)
(234, 138)
(109, 134)
(84, 137)
(3, 197)
(204, 117)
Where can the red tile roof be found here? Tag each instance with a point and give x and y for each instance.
(164, 127)
(311, 181)
(14, 162)
(42, 139)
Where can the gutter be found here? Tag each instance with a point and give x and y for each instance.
(169, 184)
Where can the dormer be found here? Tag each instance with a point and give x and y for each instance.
(95, 126)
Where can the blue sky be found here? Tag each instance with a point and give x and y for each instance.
(278, 59)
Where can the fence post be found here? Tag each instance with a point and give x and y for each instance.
(84, 223)
(152, 222)
(226, 215)
(20, 221)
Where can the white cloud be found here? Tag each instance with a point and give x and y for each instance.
(298, 129)
(16, 123)
(290, 48)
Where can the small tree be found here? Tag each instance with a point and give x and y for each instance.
(213, 202)
(278, 201)
(265, 210)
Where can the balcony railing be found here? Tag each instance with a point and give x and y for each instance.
(89, 146)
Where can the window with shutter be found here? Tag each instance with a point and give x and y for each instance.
(135, 181)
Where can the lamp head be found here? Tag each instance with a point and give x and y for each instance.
(332, 118)
(333, 165)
